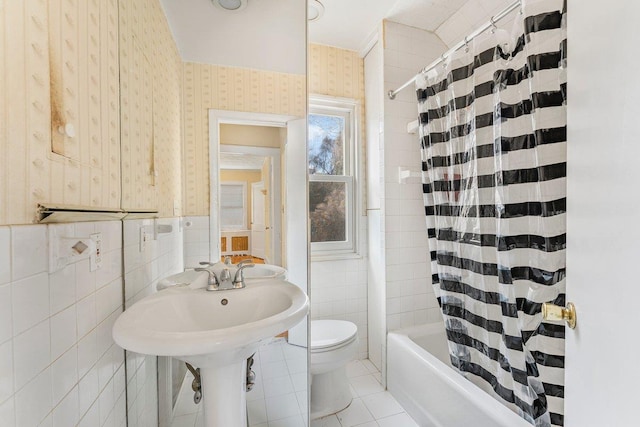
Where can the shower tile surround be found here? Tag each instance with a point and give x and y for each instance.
(407, 293)
(409, 296)
(58, 362)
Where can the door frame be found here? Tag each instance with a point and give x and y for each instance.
(259, 186)
(217, 118)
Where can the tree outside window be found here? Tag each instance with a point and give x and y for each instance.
(331, 198)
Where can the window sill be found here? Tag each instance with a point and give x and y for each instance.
(335, 257)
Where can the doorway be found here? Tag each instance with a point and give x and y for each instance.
(250, 194)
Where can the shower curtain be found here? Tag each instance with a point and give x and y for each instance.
(493, 138)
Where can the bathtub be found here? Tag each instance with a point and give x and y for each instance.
(421, 378)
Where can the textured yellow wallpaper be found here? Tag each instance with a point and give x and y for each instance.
(339, 72)
(336, 72)
(60, 64)
(150, 79)
(227, 88)
(65, 54)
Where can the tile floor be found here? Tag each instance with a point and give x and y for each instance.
(279, 399)
(372, 405)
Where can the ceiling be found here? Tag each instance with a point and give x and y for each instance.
(270, 34)
(349, 23)
(266, 35)
(241, 161)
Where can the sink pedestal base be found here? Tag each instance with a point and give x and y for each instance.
(224, 395)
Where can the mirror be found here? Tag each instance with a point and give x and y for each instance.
(258, 178)
(152, 250)
(250, 197)
(191, 75)
(250, 176)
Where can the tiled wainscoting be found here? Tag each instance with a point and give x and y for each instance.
(196, 240)
(159, 257)
(410, 299)
(59, 365)
(339, 291)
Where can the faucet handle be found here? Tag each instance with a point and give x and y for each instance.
(238, 279)
(244, 262)
(212, 283)
(207, 263)
(227, 260)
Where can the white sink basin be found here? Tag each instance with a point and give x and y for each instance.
(192, 278)
(260, 272)
(215, 331)
(187, 323)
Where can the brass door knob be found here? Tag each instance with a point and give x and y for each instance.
(553, 312)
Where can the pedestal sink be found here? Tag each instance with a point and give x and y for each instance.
(191, 278)
(215, 331)
(264, 272)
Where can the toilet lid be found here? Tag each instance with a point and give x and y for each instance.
(331, 333)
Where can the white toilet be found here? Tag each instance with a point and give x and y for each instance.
(334, 343)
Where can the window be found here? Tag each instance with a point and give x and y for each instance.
(233, 212)
(332, 174)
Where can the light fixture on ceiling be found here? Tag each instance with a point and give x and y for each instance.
(315, 10)
(231, 5)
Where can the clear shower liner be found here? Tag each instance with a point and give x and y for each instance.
(493, 138)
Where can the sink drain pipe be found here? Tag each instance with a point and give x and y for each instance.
(196, 384)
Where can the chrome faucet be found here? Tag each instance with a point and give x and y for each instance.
(243, 262)
(225, 277)
(213, 284)
(225, 283)
(238, 279)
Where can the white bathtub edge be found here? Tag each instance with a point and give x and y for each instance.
(400, 346)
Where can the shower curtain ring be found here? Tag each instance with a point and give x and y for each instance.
(466, 44)
(493, 25)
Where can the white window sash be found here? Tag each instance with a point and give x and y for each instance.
(347, 108)
(243, 206)
(349, 244)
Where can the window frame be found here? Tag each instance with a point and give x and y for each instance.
(242, 184)
(349, 110)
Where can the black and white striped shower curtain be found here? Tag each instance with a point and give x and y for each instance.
(493, 136)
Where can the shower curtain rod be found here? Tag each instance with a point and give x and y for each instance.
(491, 23)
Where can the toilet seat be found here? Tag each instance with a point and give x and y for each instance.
(328, 335)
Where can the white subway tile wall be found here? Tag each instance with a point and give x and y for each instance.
(409, 296)
(339, 291)
(159, 257)
(58, 363)
(196, 240)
